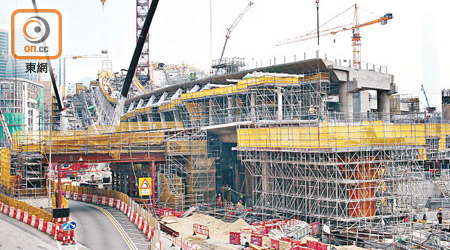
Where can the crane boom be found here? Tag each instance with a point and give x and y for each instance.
(134, 62)
(333, 31)
(426, 97)
(356, 37)
(231, 28)
(88, 56)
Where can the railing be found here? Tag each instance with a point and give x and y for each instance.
(113, 140)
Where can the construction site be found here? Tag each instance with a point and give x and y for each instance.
(308, 154)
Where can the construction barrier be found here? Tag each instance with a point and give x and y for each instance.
(23, 206)
(315, 228)
(316, 245)
(164, 211)
(183, 243)
(201, 229)
(43, 224)
(274, 244)
(235, 238)
(256, 240)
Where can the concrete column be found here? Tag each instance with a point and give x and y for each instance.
(211, 112)
(446, 112)
(163, 118)
(230, 109)
(345, 100)
(280, 104)
(253, 107)
(176, 116)
(383, 103)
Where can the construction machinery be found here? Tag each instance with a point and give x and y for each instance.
(229, 30)
(134, 62)
(428, 108)
(355, 26)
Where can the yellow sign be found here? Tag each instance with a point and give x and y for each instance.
(145, 186)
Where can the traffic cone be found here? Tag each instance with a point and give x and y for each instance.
(64, 238)
(72, 237)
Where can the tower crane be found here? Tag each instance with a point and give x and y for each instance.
(356, 37)
(231, 28)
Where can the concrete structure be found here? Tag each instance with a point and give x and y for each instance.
(9, 66)
(446, 104)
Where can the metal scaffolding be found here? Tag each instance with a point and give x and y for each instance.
(360, 178)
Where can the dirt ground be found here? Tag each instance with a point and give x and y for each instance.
(218, 230)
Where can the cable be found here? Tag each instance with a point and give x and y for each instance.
(331, 19)
(210, 39)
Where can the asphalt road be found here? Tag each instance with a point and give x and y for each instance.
(97, 229)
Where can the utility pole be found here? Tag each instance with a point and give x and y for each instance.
(50, 171)
(153, 188)
(319, 102)
(318, 35)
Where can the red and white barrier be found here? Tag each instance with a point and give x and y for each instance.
(32, 220)
(95, 199)
(17, 214)
(201, 229)
(183, 244)
(25, 217)
(11, 212)
(62, 220)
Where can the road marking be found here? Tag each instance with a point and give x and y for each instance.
(119, 228)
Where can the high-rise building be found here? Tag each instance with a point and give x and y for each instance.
(22, 103)
(11, 67)
(4, 51)
(17, 68)
(21, 96)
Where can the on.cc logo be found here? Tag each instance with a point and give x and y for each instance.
(40, 25)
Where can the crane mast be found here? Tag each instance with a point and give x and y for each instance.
(140, 46)
(356, 41)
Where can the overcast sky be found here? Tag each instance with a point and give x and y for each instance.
(413, 45)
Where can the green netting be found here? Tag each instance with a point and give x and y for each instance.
(15, 121)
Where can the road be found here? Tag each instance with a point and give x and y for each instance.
(100, 227)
